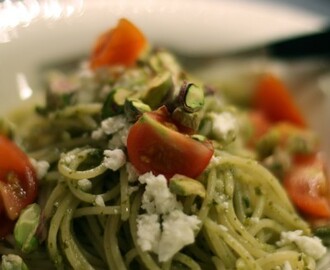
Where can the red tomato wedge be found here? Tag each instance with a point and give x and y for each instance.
(308, 186)
(156, 144)
(274, 99)
(119, 46)
(18, 182)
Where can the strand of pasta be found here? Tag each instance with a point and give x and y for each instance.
(255, 171)
(54, 227)
(261, 224)
(186, 260)
(54, 199)
(124, 197)
(97, 210)
(87, 122)
(219, 248)
(129, 257)
(167, 265)
(89, 246)
(210, 189)
(199, 252)
(90, 198)
(71, 250)
(95, 234)
(259, 207)
(51, 153)
(219, 265)
(289, 219)
(114, 258)
(278, 258)
(76, 157)
(77, 109)
(233, 224)
(233, 243)
(238, 202)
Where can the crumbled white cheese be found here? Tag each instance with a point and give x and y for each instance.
(164, 219)
(114, 159)
(132, 172)
(99, 201)
(113, 124)
(98, 134)
(148, 232)
(85, 184)
(179, 226)
(41, 167)
(119, 139)
(311, 246)
(116, 126)
(68, 158)
(157, 197)
(224, 125)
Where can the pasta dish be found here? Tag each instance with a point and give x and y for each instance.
(133, 163)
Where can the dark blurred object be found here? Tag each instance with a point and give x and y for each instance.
(317, 44)
(320, 7)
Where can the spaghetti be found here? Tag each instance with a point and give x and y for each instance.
(90, 212)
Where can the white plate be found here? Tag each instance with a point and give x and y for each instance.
(44, 35)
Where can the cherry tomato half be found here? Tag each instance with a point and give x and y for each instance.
(274, 99)
(155, 143)
(307, 186)
(18, 182)
(121, 45)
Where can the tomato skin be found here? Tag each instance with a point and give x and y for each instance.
(119, 46)
(308, 186)
(155, 144)
(18, 182)
(274, 99)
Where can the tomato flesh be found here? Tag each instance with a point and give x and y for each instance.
(273, 98)
(156, 144)
(307, 186)
(18, 183)
(119, 46)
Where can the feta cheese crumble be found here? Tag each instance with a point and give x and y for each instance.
(41, 167)
(119, 139)
(164, 220)
(224, 125)
(148, 232)
(114, 159)
(117, 126)
(179, 226)
(113, 124)
(157, 198)
(312, 246)
(99, 201)
(85, 184)
(132, 172)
